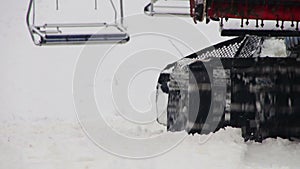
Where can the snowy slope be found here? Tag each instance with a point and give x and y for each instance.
(38, 121)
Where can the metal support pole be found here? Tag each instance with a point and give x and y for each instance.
(152, 6)
(57, 5)
(96, 4)
(115, 10)
(122, 12)
(33, 12)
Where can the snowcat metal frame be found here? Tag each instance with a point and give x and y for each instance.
(156, 7)
(41, 36)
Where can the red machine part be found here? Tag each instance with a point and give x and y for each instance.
(279, 10)
(192, 8)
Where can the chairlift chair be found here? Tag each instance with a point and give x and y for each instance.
(53, 34)
(168, 7)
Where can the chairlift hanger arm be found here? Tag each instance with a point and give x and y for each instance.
(31, 12)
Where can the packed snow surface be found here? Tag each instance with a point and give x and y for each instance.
(59, 144)
(39, 126)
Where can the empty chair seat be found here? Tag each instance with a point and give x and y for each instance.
(84, 38)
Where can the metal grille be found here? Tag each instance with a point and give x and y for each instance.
(252, 44)
(224, 52)
(238, 47)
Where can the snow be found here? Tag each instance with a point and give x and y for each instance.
(39, 126)
(273, 48)
(58, 144)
